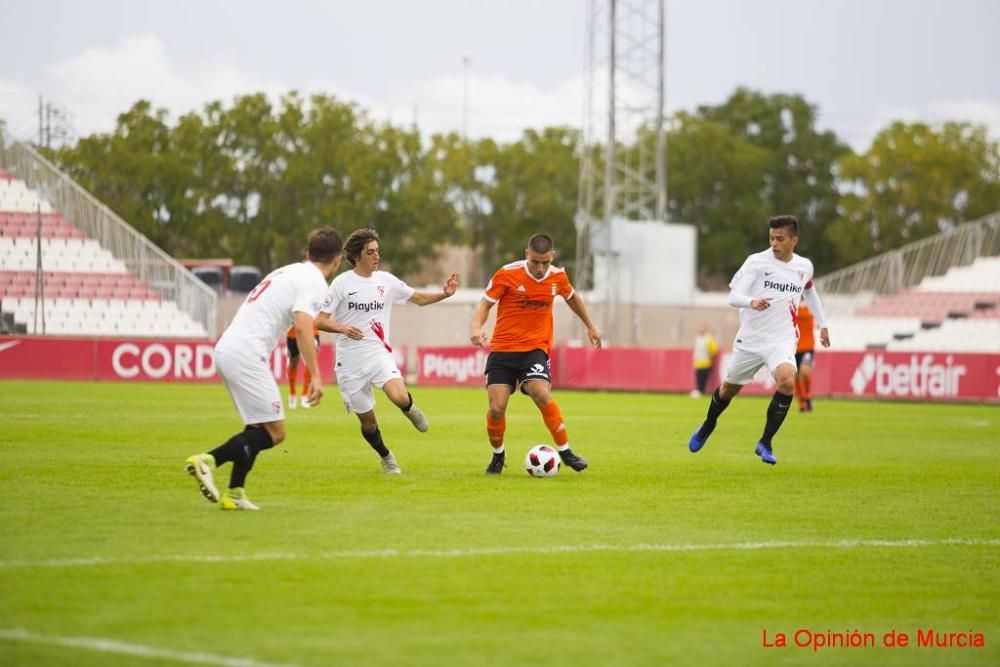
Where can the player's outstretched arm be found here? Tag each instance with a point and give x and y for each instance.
(325, 322)
(576, 304)
(427, 298)
(307, 348)
(479, 317)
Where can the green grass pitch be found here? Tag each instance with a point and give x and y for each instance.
(879, 517)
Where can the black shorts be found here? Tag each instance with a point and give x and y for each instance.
(516, 368)
(805, 357)
(293, 346)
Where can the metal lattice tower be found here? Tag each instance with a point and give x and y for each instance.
(623, 169)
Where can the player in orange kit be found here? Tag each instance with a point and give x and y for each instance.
(522, 340)
(804, 358)
(293, 367)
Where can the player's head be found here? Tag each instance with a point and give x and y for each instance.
(325, 245)
(539, 254)
(784, 235)
(358, 243)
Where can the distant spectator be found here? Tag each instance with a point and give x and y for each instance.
(703, 359)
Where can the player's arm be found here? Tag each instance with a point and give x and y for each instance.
(811, 297)
(325, 322)
(427, 298)
(739, 290)
(479, 317)
(307, 350)
(575, 303)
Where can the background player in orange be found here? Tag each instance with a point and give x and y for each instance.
(522, 339)
(293, 367)
(804, 358)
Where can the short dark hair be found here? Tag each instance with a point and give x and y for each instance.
(779, 221)
(540, 243)
(324, 244)
(356, 243)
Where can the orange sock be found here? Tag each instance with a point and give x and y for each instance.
(807, 388)
(291, 380)
(798, 389)
(306, 379)
(495, 429)
(554, 422)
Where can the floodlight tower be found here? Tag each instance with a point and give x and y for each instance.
(623, 167)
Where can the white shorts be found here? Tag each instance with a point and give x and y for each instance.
(744, 363)
(252, 387)
(356, 377)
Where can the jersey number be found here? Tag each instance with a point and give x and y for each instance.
(258, 290)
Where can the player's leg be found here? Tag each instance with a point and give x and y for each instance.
(396, 391)
(783, 370)
(540, 392)
(373, 436)
(501, 378)
(256, 396)
(742, 366)
(256, 438)
(293, 372)
(804, 382)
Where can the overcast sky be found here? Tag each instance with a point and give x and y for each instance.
(862, 62)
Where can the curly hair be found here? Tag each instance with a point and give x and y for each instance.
(356, 243)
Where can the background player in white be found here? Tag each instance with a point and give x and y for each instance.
(767, 289)
(358, 306)
(290, 294)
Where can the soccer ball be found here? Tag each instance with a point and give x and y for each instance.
(542, 461)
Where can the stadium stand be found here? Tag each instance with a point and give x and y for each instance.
(939, 294)
(85, 289)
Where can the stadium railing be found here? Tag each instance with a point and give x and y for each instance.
(907, 266)
(142, 257)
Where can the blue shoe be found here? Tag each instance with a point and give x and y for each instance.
(765, 454)
(696, 443)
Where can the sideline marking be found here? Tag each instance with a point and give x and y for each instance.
(114, 646)
(491, 551)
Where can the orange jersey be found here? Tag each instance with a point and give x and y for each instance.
(806, 325)
(291, 331)
(524, 307)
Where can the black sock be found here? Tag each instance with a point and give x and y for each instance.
(410, 404)
(375, 440)
(716, 406)
(776, 412)
(248, 445)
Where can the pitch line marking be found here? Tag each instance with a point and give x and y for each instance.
(500, 551)
(114, 646)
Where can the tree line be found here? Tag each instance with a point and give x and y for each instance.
(249, 179)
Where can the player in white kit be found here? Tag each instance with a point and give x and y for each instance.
(767, 290)
(358, 306)
(291, 294)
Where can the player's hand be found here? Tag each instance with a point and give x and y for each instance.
(760, 304)
(595, 337)
(353, 333)
(315, 390)
(824, 337)
(451, 285)
(479, 338)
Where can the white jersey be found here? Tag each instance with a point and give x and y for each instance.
(268, 310)
(764, 276)
(364, 303)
